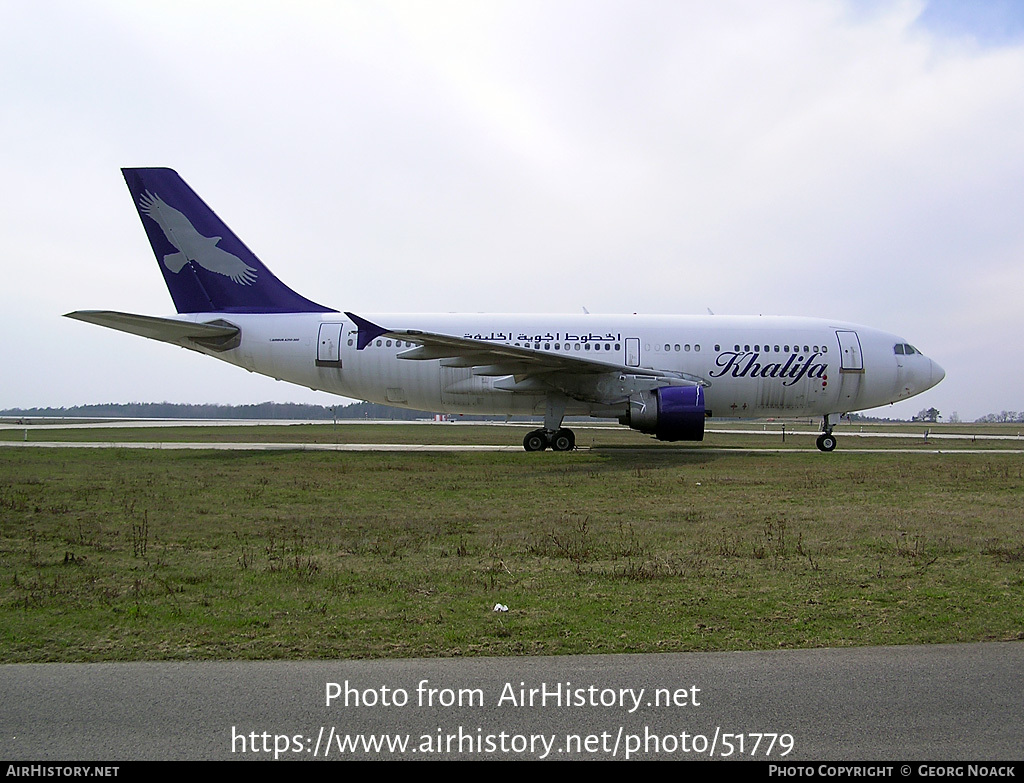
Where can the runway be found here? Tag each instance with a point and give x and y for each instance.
(914, 703)
(172, 446)
(428, 447)
(33, 428)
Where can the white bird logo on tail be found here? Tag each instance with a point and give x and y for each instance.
(192, 245)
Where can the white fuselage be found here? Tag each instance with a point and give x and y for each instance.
(753, 366)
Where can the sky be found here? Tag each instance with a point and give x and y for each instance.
(861, 161)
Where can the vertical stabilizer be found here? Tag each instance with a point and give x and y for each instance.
(206, 267)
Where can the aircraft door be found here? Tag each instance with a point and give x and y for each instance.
(632, 351)
(851, 358)
(328, 345)
(851, 369)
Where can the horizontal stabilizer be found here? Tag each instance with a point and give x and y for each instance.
(218, 335)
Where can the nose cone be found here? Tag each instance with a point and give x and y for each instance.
(921, 374)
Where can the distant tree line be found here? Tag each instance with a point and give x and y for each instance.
(262, 410)
(1015, 417)
(864, 419)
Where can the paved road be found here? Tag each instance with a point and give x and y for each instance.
(943, 702)
(212, 446)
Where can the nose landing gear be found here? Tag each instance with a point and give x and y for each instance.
(827, 441)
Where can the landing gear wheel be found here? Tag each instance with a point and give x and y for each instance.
(563, 440)
(826, 442)
(535, 441)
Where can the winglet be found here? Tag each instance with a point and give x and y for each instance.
(368, 331)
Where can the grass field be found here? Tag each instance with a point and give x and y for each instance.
(144, 555)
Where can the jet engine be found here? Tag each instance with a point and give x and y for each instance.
(668, 412)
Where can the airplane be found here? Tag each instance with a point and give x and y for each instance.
(663, 375)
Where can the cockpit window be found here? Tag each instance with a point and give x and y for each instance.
(902, 349)
(899, 349)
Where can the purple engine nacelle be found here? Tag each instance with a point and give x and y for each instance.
(668, 413)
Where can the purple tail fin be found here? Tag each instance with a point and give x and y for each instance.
(206, 267)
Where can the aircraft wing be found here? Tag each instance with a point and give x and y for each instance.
(218, 335)
(499, 359)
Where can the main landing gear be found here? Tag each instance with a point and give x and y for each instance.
(552, 434)
(559, 440)
(827, 441)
